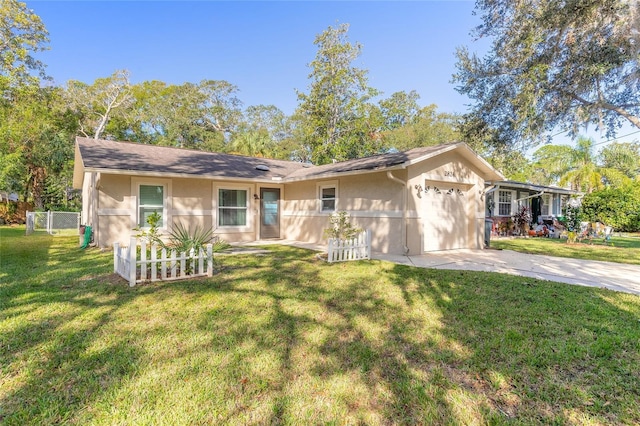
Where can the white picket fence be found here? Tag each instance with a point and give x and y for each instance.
(162, 264)
(356, 248)
(55, 223)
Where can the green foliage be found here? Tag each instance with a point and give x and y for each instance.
(553, 64)
(576, 167)
(183, 239)
(97, 104)
(22, 35)
(337, 122)
(426, 127)
(340, 227)
(152, 232)
(616, 207)
(573, 215)
(624, 157)
(284, 339)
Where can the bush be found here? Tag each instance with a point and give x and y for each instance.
(341, 227)
(616, 207)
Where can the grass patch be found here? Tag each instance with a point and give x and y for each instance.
(287, 339)
(619, 249)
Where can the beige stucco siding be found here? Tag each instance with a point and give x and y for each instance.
(191, 202)
(372, 200)
(445, 196)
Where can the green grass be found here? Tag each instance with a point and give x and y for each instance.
(619, 249)
(284, 338)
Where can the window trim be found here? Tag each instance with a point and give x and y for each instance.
(248, 208)
(327, 185)
(166, 201)
(511, 203)
(547, 201)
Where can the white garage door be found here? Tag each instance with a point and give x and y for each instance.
(445, 216)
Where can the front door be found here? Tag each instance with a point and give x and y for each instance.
(269, 213)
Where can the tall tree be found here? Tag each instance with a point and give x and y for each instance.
(337, 121)
(554, 64)
(576, 167)
(427, 127)
(400, 109)
(35, 142)
(22, 34)
(100, 102)
(623, 156)
(198, 116)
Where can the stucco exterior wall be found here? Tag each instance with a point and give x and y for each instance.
(191, 202)
(372, 200)
(454, 218)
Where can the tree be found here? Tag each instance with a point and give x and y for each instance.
(100, 102)
(22, 33)
(554, 64)
(36, 143)
(254, 143)
(198, 116)
(622, 156)
(617, 207)
(427, 127)
(400, 109)
(337, 123)
(576, 167)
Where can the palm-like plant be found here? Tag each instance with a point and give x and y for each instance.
(576, 167)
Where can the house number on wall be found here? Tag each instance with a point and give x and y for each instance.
(449, 174)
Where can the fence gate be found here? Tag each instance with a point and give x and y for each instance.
(54, 223)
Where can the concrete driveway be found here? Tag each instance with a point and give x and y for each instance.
(614, 276)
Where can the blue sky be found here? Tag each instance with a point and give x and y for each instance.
(262, 47)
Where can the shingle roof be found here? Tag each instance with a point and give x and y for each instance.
(126, 156)
(104, 155)
(375, 162)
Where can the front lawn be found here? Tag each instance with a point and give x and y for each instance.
(284, 338)
(619, 249)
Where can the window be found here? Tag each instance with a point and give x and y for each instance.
(232, 207)
(151, 200)
(545, 208)
(505, 203)
(327, 198)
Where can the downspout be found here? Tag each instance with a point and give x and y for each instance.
(390, 175)
(95, 179)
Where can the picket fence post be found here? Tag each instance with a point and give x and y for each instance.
(133, 267)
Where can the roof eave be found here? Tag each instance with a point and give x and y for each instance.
(272, 179)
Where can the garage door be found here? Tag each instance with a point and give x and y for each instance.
(445, 216)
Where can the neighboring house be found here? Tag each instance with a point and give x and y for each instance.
(420, 200)
(505, 198)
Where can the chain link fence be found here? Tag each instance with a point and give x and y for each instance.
(55, 223)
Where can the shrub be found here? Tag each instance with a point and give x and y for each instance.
(341, 227)
(616, 207)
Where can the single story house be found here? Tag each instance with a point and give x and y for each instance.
(421, 200)
(505, 198)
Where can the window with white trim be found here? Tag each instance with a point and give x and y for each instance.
(151, 200)
(232, 207)
(328, 197)
(545, 208)
(505, 202)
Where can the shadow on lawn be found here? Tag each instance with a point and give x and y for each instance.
(452, 347)
(284, 338)
(55, 353)
(532, 351)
